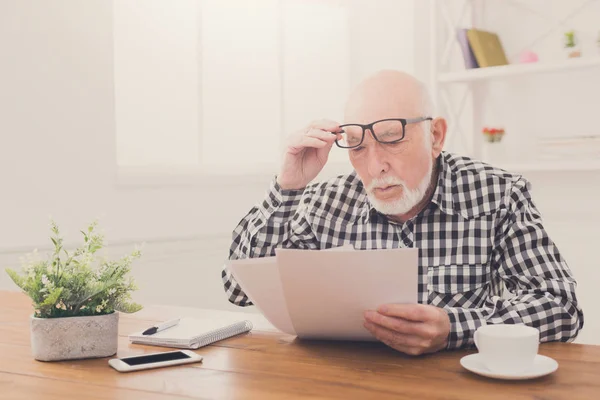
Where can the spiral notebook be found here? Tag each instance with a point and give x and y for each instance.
(192, 333)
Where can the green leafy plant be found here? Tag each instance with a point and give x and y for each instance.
(570, 39)
(77, 283)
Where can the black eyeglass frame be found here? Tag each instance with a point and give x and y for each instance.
(364, 127)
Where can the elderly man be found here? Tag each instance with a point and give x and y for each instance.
(476, 226)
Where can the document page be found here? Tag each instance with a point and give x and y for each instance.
(259, 278)
(327, 292)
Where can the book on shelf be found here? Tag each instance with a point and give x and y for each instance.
(487, 48)
(467, 51)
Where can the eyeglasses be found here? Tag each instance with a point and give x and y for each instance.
(389, 131)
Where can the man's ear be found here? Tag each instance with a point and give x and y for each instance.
(438, 136)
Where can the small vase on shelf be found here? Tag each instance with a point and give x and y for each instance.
(573, 52)
(571, 47)
(493, 150)
(493, 135)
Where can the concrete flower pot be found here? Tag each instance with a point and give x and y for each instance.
(70, 338)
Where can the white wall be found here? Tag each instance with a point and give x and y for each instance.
(156, 82)
(242, 75)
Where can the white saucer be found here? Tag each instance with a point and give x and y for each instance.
(542, 365)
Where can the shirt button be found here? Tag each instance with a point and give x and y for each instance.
(276, 203)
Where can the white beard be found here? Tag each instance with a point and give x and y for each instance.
(410, 197)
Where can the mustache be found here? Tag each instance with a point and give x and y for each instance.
(384, 182)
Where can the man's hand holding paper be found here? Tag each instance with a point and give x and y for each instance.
(410, 328)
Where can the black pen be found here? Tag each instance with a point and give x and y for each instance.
(161, 327)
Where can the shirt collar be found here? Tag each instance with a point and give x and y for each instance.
(442, 197)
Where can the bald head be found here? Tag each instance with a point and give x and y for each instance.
(388, 94)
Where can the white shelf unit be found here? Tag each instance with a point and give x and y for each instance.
(508, 71)
(575, 166)
(473, 82)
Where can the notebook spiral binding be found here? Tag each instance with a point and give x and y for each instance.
(223, 333)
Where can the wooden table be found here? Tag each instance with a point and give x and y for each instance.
(266, 364)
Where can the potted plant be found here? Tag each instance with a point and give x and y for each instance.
(493, 151)
(493, 135)
(76, 298)
(571, 44)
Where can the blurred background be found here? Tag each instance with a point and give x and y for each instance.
(166, 120)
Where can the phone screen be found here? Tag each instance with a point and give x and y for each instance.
(153, 358)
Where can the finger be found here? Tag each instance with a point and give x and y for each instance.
(405, 343)
(311, 142)
(411, 312)
(401, 325)
(326, 125)
(319, 134)
(390, 337)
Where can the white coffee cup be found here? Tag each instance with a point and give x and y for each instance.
(507, 348)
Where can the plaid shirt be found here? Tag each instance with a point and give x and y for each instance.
(480, 234)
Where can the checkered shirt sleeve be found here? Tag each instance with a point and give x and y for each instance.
(278, 221)
(541, 287)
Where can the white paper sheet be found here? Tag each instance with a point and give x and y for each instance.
(327, 292)
(259, 278)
